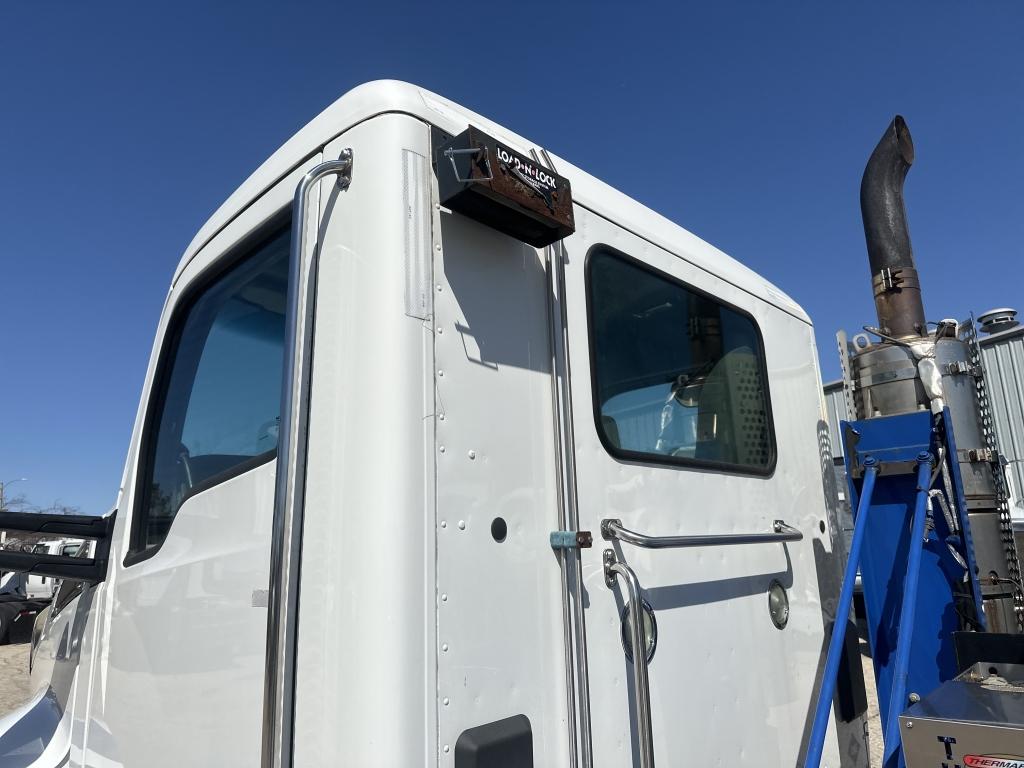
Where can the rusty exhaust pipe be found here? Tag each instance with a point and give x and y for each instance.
(894, 277)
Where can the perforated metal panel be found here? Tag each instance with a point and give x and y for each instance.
(748, 408)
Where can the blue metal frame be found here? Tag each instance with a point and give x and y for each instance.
(967, 542)
(908, 608)
(835, 645)
(911, 579)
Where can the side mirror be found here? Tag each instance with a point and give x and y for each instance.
(88, 569)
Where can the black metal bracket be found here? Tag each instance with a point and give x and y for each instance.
(88, 569)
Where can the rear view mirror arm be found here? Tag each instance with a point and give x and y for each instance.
(87, 569)
(78, 526)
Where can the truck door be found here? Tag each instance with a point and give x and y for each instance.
(178, 656)
(695, 406)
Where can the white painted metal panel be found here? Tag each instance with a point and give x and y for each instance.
(365, 662)
(185, 648)
(727, 687)
(499, 621)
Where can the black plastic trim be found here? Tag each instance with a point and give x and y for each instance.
(57, 566)
(988, 648)
(243, 249)
(88, 569)
(80, 526)
(640, 457)
(506, 743)
(851, 698)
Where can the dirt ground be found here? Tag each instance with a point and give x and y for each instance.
(13, 676)
(874, 724)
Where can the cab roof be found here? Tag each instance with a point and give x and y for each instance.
(393, 96)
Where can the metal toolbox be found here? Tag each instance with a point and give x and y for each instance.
(974, 721)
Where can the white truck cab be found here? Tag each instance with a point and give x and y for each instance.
(415, 442)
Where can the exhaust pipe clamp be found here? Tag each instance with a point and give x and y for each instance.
(895, 279)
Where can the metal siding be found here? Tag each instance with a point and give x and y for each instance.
(1003, 356)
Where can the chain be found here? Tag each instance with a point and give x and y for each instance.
(969, 334)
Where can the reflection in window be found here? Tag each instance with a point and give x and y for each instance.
(218, 404)
(678, 375)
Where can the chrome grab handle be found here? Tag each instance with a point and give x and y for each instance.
(612, 529)
(613, 568)
(289, 490)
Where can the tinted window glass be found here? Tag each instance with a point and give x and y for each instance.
(679, 376)
(219, 396)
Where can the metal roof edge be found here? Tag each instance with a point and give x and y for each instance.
(995, 338)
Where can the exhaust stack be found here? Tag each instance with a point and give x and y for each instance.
(910, 369)
(894, 277)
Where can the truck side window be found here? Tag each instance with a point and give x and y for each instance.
(679, 376)
(217, 396)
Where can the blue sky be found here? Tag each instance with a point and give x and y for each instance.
(124, 125)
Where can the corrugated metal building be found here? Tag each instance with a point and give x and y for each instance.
(1003, 355)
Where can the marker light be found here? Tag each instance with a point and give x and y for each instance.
(778, 604)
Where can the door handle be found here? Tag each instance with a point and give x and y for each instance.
(612, 529)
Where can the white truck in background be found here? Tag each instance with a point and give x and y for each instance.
(39, 587)
(406, 377)
(25, 597)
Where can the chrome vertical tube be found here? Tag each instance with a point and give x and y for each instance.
(561, 377)
(289, 490)
(563, 554)
(641, 683)
(573, 523)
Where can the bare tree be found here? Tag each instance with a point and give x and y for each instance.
(58, 507)
(18, 503)
(21, 503)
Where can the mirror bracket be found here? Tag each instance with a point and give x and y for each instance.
(91, 570)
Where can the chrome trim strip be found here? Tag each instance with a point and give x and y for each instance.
(289, 491)
(613, 529)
